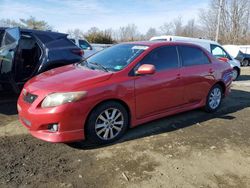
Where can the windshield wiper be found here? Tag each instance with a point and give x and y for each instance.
(99, 65)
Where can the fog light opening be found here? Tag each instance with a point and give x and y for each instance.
(53, 127)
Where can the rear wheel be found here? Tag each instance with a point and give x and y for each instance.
(214, 99)
(245, 63)
(107, 123)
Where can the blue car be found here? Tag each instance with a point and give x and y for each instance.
(25, 53)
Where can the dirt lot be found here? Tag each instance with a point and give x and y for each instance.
(192, 149)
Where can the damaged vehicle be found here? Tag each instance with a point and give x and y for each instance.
(25, 53)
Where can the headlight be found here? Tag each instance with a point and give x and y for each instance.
(56, 99)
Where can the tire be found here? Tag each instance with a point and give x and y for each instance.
(244, 63)
(102, 129)
(215, 95)
(235, 74)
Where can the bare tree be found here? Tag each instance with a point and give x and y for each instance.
(128, 33)
(234, 23)
(178, 26)
(191, 29)
(167, 28)
(75, 33)
(150, 33)
(9, 23)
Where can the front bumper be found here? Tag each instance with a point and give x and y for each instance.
(68, 117)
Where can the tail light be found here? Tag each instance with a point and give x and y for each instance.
(223, 59)
(78, 52)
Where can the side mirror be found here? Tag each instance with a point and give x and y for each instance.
(223, 59)
(146, 69)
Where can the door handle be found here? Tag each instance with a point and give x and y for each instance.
(178, 76)
(211, 71)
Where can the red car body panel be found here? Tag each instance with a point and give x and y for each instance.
(146, 97)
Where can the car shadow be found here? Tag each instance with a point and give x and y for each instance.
(237, 101)
(243, 78)
(8, 103)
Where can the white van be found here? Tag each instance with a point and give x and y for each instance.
(88, 49)
(213, 47)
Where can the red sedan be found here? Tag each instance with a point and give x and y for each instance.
(122, 87)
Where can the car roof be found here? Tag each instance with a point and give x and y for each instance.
(162, 43)
(51, 34)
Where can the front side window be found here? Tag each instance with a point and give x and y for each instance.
(218, 52)
(162, 58)
(192, 56)
(117, 57)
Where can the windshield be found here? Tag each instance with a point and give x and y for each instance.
(117, 57)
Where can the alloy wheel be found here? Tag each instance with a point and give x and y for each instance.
(109, 124)
(215, 98)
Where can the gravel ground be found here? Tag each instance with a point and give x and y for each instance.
(192, 149)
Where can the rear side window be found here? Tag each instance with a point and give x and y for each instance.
(162, 58)
(84, 45)
(192, 56)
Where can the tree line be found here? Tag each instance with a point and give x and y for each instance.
(234, 26)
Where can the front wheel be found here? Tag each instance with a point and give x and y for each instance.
(107, 123)
(214, 99)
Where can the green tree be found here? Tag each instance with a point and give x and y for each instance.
(94, 35)
(30, 23)
(33, 23)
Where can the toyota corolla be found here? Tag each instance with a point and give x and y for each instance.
(122, 87)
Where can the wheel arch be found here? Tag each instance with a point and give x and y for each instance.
(124, 104)
(223, 86)
(237, 68)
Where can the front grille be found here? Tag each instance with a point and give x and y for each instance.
(29, 98)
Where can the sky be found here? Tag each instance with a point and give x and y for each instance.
(104, 14)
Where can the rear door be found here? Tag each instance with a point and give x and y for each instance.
(197, 73)
(8, 47)
(163, 90)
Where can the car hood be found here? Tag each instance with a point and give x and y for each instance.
(67, 78)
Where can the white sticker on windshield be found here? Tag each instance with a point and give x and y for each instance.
(139, 47)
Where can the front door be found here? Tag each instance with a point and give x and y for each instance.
(163, 90)
(8, 47)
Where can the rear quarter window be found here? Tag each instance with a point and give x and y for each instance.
(61, 43)
(44, 38)
(218, 52)
(191, 56)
